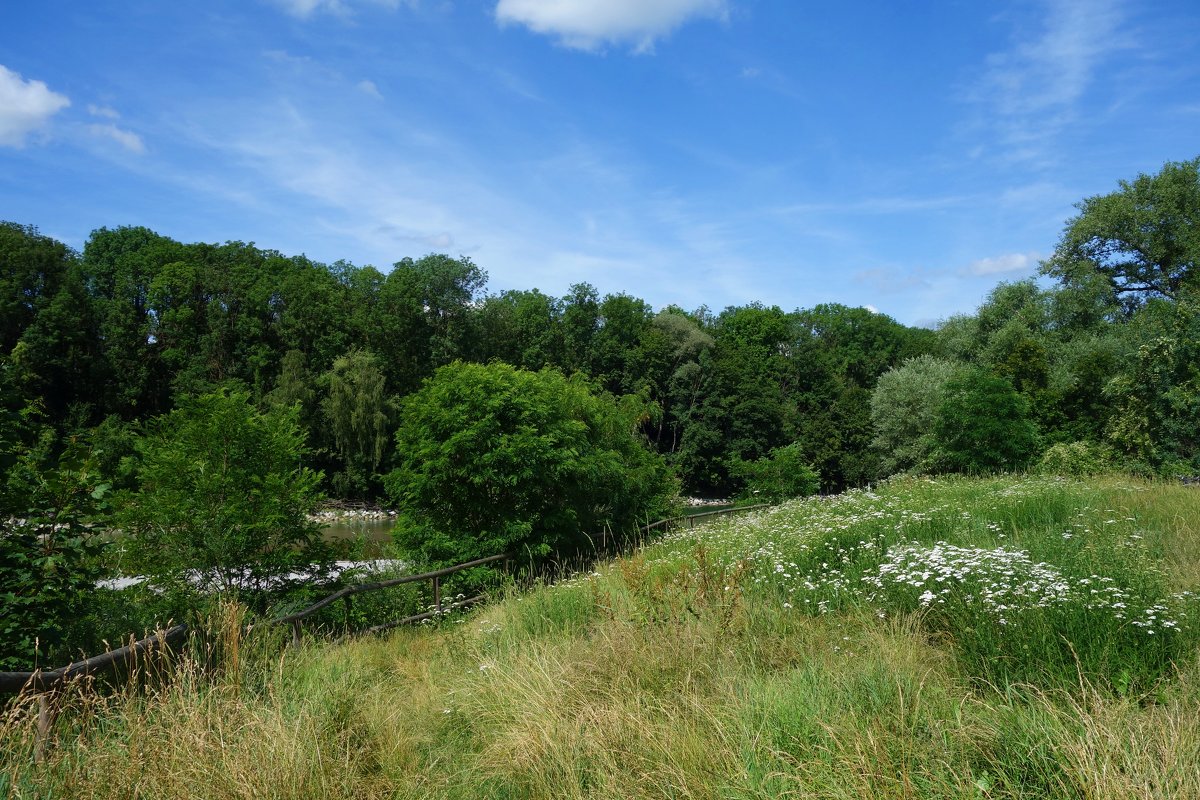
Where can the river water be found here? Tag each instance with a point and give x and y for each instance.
(375, 535)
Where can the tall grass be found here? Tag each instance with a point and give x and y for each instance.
(768, 656)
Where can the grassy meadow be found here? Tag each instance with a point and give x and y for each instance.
(1016, 637)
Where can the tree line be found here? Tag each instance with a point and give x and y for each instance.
(500, 418)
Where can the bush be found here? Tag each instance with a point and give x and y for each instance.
(983, 426)
(222, 504)
(1078, 459)
(781, 475)
(495, 459)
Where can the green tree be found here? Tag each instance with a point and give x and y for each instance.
(983, 425)
(904, 409)
(1144, 239)
(32, 268)
(778, 476)
(357, 412)
(51, 500)
(1155, 401)
(222, 500)
(496, 459)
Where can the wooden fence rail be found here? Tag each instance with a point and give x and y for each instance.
(296, 619)
(47, 680)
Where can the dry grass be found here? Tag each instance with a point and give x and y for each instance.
(648, 679)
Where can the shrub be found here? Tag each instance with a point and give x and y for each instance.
(1077, 459)
(983, 425)
(780, 475)
(496, 459)
(223, 502)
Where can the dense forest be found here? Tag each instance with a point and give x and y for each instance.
(1095, 367)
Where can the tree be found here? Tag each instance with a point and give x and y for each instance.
(51, 497)
(32, 268)
(496, 459)
(222, 499)
(1155, 401)
(904, 409)
(983, 425)
(1143, 239)
(780, 475)
(357, 411)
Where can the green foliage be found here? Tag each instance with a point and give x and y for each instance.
(1079, 459)
(222, 500)
(983, 425)
(904, 408)
(1144, 239)
(493, 459)
(1156, 400)
(780, 475)
(50, 550)
(357, 411)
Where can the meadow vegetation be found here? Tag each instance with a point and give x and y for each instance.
(1012, 637)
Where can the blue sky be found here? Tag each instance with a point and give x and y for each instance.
(901, 156)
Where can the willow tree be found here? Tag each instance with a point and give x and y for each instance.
(356, 407)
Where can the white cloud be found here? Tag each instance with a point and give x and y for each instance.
(589, 24)
(25, 106)
(369, 87)
(304, 9)
(1002, 265)
(127, 139)
(1031, 91)
(102, 111)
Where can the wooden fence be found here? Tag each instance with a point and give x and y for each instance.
(128, 656)
(296, 620)
(45, 682)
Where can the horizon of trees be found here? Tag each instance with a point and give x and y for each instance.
(115, 361)
(105, 339)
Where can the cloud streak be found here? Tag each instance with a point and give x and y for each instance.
(1032, 91)
(1007, 264)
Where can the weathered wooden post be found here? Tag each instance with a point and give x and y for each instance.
(45, 719)
(437, 594)
(297, 624)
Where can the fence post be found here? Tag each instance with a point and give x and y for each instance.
(437, 594)
(44, 720)
(296, 626)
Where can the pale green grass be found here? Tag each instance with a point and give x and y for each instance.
(746, 659)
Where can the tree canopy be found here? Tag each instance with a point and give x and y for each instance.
(1143, 239)
(496, 459)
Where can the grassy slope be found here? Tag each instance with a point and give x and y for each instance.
(769, 656)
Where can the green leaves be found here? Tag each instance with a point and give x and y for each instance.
(222, 499)
(493, 458)
(1143, 239)
(983, 425)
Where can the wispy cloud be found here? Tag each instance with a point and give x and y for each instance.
(25, 107)
(892, 280)
(875, 205)
(1030, 92)
(369, 88)
(303, 9)
(127, 139)
(102, 111)
(591, 24)
(1007, 264)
